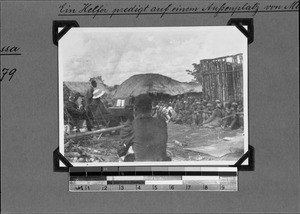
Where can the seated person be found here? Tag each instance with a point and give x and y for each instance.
(215, 120)
(147, 135)
(163, 112)
(171, 112)
(76, 113)
(206, 112)
(234, 118)
(240, 111)
(179, 117)
(197, 117)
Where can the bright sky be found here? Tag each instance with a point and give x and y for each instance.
(118, 53)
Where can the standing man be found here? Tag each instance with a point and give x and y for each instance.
(89, 93)
(89, 100)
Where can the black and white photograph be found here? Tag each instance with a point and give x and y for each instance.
(153, 96)
(149, 106)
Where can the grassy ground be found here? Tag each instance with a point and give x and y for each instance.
(185, 143)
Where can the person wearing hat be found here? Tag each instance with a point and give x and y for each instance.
(100, 113)
(89, 93)
(97, 93)
(89, 99)
(148, 135)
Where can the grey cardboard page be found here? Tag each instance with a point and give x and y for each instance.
(29, 106)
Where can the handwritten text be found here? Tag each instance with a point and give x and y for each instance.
(215, 8)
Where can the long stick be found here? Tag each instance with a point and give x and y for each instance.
(94, 132)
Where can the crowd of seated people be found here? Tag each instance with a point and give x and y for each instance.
(192, 110)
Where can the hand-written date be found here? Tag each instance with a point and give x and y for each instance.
(8, 73)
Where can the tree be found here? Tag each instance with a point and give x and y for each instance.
(196, 72)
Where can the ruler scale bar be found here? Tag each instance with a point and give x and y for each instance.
(104, 179)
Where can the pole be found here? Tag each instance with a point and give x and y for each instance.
(94, 132)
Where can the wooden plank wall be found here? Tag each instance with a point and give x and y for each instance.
(223, 78)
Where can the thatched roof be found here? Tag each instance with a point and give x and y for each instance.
(82, 87)
(154, 83)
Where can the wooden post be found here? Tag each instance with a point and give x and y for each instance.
(222, 79)
(234, 81)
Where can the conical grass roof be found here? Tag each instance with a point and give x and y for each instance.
(154, 84)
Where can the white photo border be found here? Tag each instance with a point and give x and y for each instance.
(164, 163)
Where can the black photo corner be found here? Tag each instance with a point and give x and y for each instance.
(66, 25)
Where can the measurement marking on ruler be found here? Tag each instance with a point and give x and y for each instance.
(226, 180)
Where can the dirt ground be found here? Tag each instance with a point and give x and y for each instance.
(185, 143)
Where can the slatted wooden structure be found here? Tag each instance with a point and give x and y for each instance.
(223, 78)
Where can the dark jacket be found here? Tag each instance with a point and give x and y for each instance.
(73, 109)
(89, 96)
(150, 138)
(127, 137)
